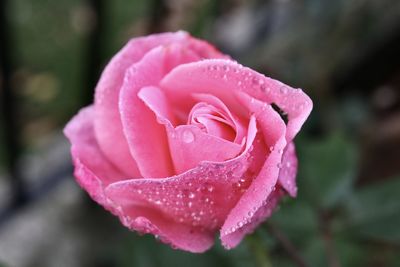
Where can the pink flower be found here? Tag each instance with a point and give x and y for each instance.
(182, 142)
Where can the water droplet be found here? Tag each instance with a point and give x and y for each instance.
(271, 148)
(190, 204)
(284, 89)
(191, 195)
(255, 81)
(210, 188)
(187, 136)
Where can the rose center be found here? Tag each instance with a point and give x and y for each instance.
(212, 120)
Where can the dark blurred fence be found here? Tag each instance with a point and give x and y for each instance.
(21, 193)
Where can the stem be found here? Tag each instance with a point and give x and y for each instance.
(258, 250)
(286, 244)
(333, 259)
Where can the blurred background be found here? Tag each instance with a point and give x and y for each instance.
(345, 54)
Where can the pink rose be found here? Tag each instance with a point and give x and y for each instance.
(183, 142)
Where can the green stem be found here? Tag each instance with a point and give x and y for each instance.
(286, 244)
(259, 251)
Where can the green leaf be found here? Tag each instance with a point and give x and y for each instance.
(326, 170)
(374, 211)
(297, 220)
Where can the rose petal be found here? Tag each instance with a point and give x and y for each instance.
(220, 77)
(245, 227)
(198, 199)
(214, 126)
(146, 138)
(188, 144)
(108, 125)
(149, 220)
(288, 172)
(88, 158)
(273, 129)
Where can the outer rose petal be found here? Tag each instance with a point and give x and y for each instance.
(107, 120)
(146, 138)
(221, 77)
(265, 211)
(288, 172)
(93, 171)
(198, 200)
(254, 199)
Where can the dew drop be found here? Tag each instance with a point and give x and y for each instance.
(264, 107)
(191, 195)
(190, 204)
(210, 188)
(187, 136)
(255, 81)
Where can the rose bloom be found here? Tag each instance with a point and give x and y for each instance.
(183, 142)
